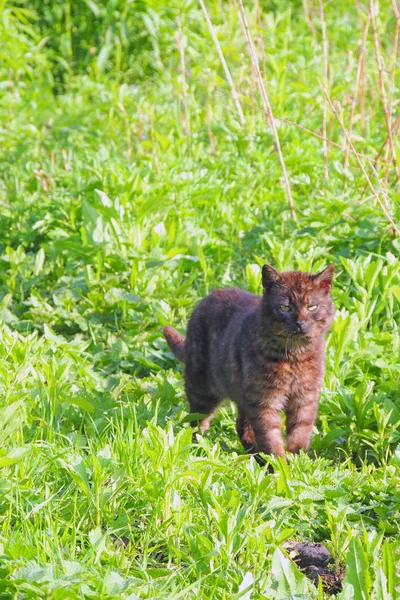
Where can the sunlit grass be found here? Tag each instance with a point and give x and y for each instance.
(116, 222)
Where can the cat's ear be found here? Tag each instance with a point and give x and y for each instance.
(323, 279)
(269, 276)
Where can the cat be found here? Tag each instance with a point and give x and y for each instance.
(266, 353)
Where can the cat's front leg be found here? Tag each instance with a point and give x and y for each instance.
(267, 426)
(300, 419)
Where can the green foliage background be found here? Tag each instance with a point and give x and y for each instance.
(116, 216)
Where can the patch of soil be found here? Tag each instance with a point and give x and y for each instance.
(316, 561)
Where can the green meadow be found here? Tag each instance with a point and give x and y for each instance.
(132, 184)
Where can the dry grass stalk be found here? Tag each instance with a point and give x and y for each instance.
(328, 141)
(309, 20)
(180, 42)
(208, 121)
(382, 187)
(382, 91)
(153, 142)
(394, 64)
(376, 160)
(394, 57)
(356, 86)
(395, 130)
(371, 187)
(362, 96)
(127, 130)
(253, 83)
(325, 80)
(261, 38)
(396, 10)
(223, 61)
(265, 102)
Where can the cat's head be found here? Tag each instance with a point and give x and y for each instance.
(297, 305)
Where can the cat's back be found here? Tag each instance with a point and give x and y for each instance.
(223, 303)
(216, 311)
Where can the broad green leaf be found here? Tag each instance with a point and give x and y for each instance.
(357, 571)
(15, 456)
(389, 569)
(288, 583)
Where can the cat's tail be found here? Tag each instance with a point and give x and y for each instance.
(175, 341)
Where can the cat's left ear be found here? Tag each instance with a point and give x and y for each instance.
(324, 278)
(270, 276)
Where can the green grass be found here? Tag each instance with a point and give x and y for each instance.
(115, 222)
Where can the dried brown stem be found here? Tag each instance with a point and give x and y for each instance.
(127, 130)
(208, 121)
(394, 64)
(309, 20)
(371, 187)
(362, 95)
(180, 42)
(261, 38)
(382, 90)
(265, 102)
(356, 86)
(396, 10)
(325, 80)
(153, 142)
(382, 187)
(328, 141)
(223, 61)
(313, 133)
(377, 158)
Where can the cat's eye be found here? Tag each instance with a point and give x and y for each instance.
(312, 307)
(285, 307)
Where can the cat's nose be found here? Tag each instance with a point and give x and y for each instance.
(300, 325)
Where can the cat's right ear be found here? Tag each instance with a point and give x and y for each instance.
(269, 276)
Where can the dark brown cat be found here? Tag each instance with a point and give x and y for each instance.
(265, 353)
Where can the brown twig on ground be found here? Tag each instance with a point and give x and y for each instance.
(371, 187)
(356, 86)
(325, 80)
(223, 61)
(265, 102)
(382, 91)
(180, 42)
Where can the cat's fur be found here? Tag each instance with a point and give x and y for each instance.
(265, 358)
